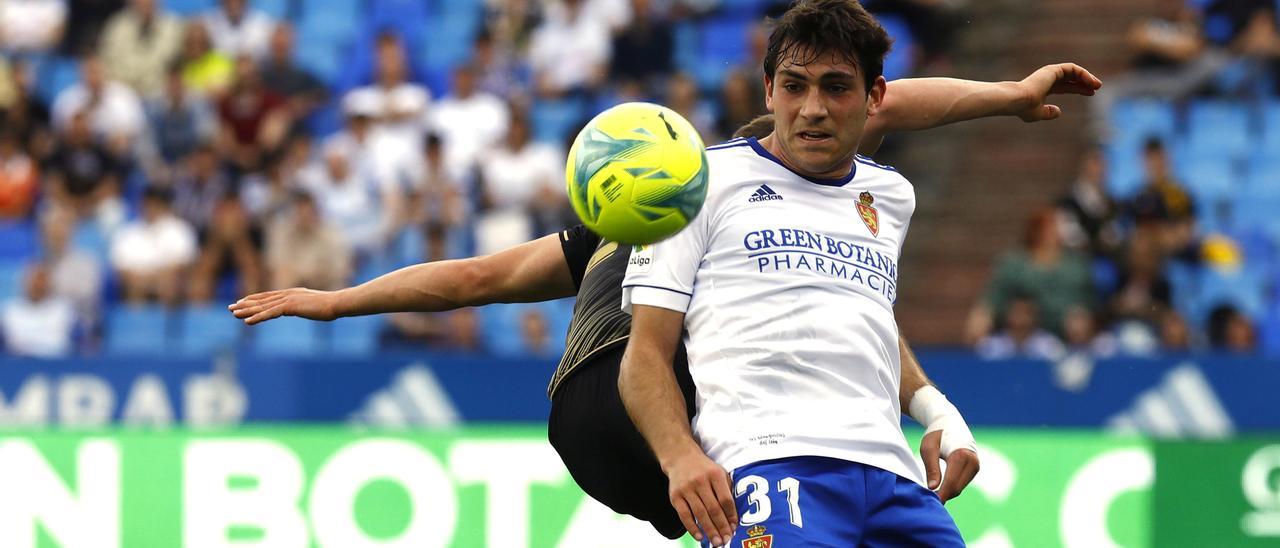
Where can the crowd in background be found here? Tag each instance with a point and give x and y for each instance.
(1153, 249)
(191, 159)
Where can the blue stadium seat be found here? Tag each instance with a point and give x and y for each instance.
(1125, 172)
(286, 337)
(743, 8)
(1269, 330)
(11, 279)
(553, 121)
(900, 62)
(1245, 289)
(54, 74)
(350, 10)
(1134, 120)
(500, 329)
(1270, 128)
(206, 330)
(356, 336)
(449, 46)
(187, 8)
(1218, 129)
(277, 9)
(19, 240)
(1255, 210)
(88, 237)
(1206, 175)
(135, 330)
(319, 56)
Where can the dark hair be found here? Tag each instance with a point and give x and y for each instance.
(759, 127)
(1153, 144)
(812, 28)
(158, 193)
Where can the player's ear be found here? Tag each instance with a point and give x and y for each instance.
(768, 93)
(875, 95)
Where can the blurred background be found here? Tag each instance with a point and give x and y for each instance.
(1100, 294)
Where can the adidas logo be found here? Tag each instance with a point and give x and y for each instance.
(414, 398)
(764, 193)
(1182, 405)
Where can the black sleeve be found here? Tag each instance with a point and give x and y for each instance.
(579, 244)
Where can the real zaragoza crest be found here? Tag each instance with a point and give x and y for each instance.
(868, 213)
(757, 539)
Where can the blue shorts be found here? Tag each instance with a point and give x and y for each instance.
(817, 501)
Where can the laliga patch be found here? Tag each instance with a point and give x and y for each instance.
(641, 258)
(757, 539)
(868, 213)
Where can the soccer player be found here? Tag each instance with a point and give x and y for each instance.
(783, 290)
(588, 425)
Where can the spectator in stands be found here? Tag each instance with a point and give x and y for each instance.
(643, 52)
(1230, 330)
(495, 67)
(1022, 336)
(75, 273)
(1081, 336)
(239, 31)
(1175, 335)
(400, 105)
(268, 195)
(254, 119)
(511, 23)
(569, 32)
(535, 334)
(303, 92)
(25, 114)
(139, 44)
(523, 186)
(84, 176)
(1144, 292)
(1053, 277)
(463, 331)
(470, 122)
(206, 70)
(439, 201)
(390, 150)
(230, 247)
(737, 105)
(19, 177)
(1090, 217)
(179, 121)
(682, 97)
(114, 109)
(32, 25)
(304, 251)
(151, 253)
(349, 200)
(39, 324)
(85, 21)
(1162, 208)
(199, 185)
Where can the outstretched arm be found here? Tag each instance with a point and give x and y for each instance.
(529, 272)
(946, 437)
(921, 103)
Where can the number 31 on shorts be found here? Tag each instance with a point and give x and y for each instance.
(757, 490)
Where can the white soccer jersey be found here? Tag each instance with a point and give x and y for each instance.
(787, 285)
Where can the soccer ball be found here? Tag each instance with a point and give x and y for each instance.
(637, 173)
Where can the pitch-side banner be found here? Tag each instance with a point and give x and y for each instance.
(1201, 397)
(505, 487)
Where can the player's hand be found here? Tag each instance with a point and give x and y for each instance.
(1062, 78)
(962, 466)
(700, 493)
(297, 301)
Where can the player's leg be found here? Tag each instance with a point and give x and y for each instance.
(904, 514)
(605, 454)
(799, 501)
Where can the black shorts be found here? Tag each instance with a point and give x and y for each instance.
(602, 449)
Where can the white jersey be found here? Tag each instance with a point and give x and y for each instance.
(788, 285)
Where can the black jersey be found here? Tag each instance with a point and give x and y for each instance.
(598, 323)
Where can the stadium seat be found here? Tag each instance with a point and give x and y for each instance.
(136, 330)
(500, 329)
(206, 330)
(1269, 131)
(1125, 173)
(1218, 129)
(11, 278)
(554, 121)
(89, 238)
(900, 61)
(277, 9)
(54, 74)
(286, 337)
(1134, 120)
(18, 240)
(356, 336)
(187, 8)
(319, 56)
(1245, 289)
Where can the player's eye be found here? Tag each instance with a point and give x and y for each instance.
(837, 88)
(791, 87)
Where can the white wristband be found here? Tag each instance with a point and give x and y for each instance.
(933, 411)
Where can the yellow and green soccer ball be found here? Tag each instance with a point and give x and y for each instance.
(637, 173)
